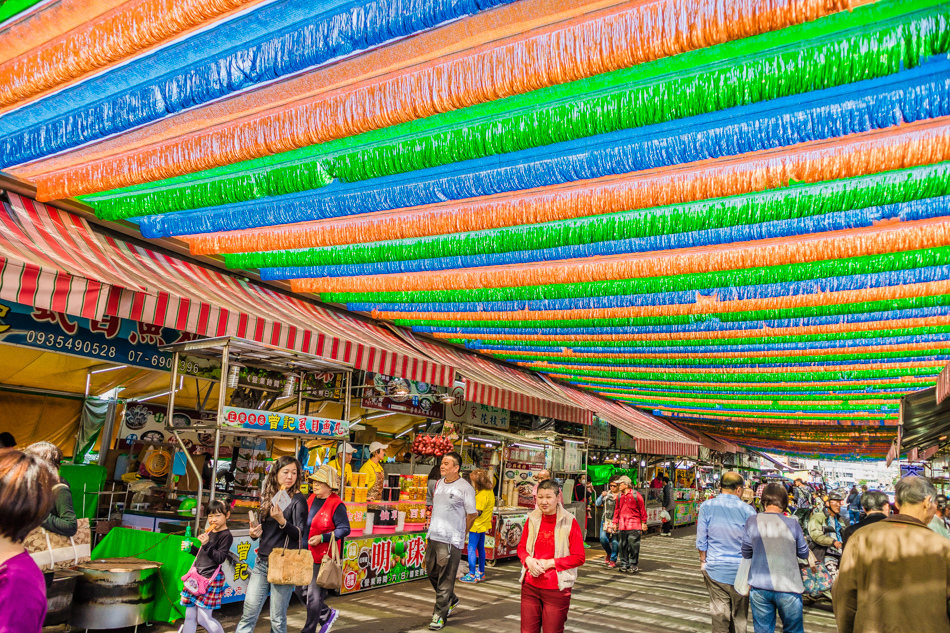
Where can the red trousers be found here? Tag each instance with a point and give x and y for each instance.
(543, 610)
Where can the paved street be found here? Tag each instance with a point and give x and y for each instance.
(667, 595)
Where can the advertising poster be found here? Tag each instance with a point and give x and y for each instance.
(144, 421)
(376, 561)
(598, 432)
(502, 541)
(403, 396)
(236, 577)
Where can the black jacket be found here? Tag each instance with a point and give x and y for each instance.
(870, 519)
(213, 553)
(294, 532)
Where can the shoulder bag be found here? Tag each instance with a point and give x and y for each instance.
(196, 584)
(289, 566)
(330, 575)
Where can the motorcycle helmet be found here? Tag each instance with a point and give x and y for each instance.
(836, 495)
(187, 507)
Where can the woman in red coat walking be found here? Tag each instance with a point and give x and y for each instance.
(551, 550)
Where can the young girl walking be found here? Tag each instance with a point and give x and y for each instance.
(200, 601)
(485, 504)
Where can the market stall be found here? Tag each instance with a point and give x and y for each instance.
(248, 428)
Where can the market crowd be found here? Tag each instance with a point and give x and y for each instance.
(308, 533)
(885, 568)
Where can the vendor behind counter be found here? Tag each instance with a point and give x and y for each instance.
(374, 470)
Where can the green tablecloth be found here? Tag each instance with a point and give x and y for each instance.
(153, 546)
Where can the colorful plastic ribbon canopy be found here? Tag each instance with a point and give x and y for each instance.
(734, 216)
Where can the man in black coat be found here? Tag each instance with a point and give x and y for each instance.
(876, 507)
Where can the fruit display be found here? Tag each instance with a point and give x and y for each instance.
(431, 445)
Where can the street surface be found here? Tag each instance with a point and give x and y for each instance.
(667, 595)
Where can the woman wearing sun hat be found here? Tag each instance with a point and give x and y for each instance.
(326, 520)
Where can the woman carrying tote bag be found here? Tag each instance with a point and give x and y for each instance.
(328, 524)
(282, 534)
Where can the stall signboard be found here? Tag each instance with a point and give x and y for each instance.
(598, 432)
(477, 414)
(379, 560)
(386, 393)
(238, 575)
(111, 340)
(625, 441)
(277, 422)
(132, 343)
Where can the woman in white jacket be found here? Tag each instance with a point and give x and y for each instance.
(551, 550)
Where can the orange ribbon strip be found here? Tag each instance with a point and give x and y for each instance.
(104, 41)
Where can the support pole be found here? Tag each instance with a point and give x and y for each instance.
(222, 395)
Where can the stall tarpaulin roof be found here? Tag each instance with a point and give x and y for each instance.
(54, 260)
(925, 423)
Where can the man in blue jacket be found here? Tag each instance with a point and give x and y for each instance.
(719, 532)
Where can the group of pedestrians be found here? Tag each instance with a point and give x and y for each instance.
(891, 572)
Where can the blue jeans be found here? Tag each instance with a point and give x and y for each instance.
(855, 516)
(610, 543)
(764, 605)
(257, 589)
(476, 552)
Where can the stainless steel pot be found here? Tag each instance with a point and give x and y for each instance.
(114, 593)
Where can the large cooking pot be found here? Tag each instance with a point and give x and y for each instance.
(114, 593)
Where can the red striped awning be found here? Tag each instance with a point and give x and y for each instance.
(52, 259)
(652, 436)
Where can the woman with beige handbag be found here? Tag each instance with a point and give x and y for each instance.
(283, 561)
(329, 525)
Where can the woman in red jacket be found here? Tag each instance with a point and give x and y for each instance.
(327, 521)
(630, 515)
(551, 550)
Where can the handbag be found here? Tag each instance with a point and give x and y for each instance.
(196, 584)
(330, 575)
(290, 566)
(816, 582)
(741, 585)
(54, 551)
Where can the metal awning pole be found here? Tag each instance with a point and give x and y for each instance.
(222, 395)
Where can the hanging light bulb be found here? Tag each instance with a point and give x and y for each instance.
(234, 376)
(289, 386)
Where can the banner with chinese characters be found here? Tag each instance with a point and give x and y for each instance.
(476, 414)
(376, 561)
(402, 396)
(277, 422)
(112, 339)
(236, 577)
